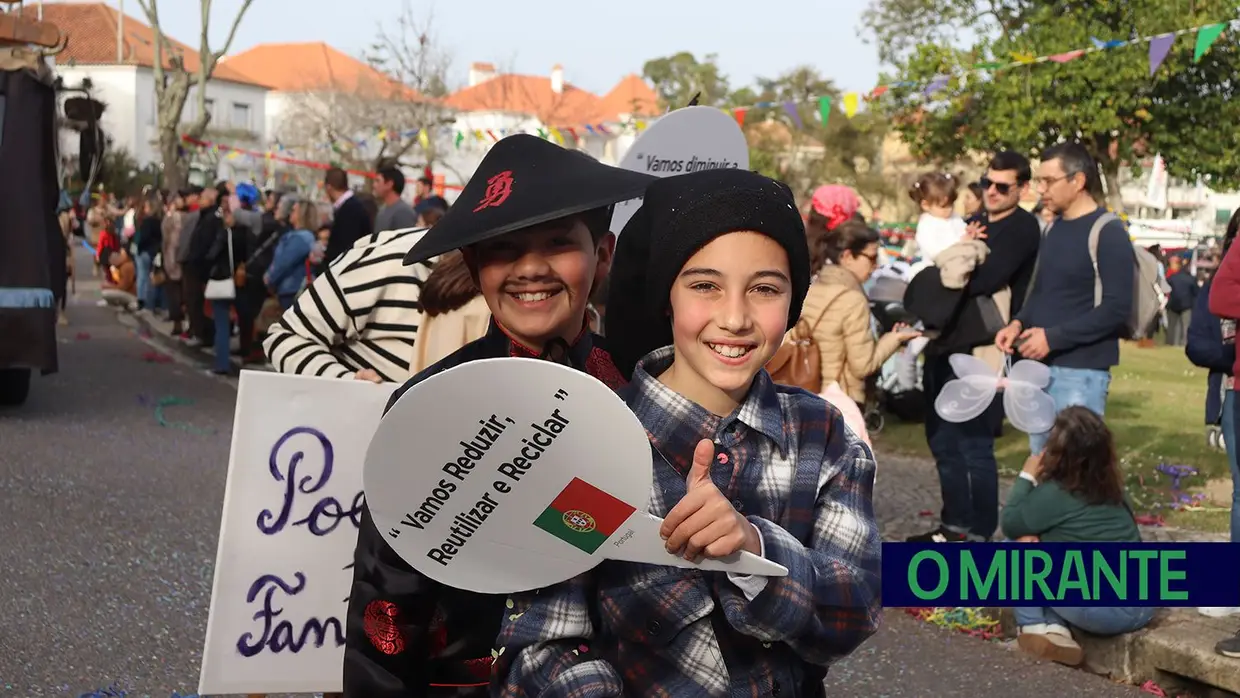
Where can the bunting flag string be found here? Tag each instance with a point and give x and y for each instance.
(850, 102)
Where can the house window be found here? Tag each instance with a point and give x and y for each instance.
(209, 106)
(241, 116)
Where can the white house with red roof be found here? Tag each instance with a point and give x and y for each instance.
(122, 74)
(494, 104)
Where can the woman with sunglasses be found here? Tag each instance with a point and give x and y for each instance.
(838, 311)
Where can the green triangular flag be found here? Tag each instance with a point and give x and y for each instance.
(542, 133)
(824, 109)
(1206, 37)
(459, 137)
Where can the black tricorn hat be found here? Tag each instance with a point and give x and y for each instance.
(523, 181)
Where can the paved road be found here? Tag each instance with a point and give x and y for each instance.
(109, 528)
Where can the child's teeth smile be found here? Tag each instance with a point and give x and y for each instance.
(533, 297)
(731, 351)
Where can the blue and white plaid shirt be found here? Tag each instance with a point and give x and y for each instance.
(787, 462)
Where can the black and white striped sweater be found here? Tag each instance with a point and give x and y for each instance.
(363, 312)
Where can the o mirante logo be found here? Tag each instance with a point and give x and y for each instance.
(579, 521)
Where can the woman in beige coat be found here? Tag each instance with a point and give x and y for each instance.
(838, 310)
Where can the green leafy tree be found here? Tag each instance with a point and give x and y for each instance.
(679, 77)
(1107, 100)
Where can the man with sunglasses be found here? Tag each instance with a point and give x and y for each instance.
(1062, 324)
(965, 453)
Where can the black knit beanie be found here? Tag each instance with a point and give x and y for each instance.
(679, 216)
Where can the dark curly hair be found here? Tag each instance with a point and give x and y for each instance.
(1080, 457)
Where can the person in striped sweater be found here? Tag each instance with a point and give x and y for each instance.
(359, 319)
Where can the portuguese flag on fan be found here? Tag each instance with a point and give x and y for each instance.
(583, 516)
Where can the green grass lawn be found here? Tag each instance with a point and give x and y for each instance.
(1157, 411)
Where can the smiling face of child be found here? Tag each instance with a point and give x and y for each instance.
(729, 308)
(537, 281)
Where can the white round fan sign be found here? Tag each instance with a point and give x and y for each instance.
(683, 141)
(504, 475)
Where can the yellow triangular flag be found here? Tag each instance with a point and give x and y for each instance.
(1023, 57)
(850, 104)
(424, 140)
(383, 134)
(478, 134)
(555, 133)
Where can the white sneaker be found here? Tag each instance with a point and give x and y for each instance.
(1050, 641)
(1219, 611)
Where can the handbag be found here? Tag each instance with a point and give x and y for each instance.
(798, 362)
(158, 277)
(223, 289)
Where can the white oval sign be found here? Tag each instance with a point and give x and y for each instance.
(686, 140)
(504, 475)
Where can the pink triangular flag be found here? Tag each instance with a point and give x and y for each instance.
(1160, 46)
(1065, 57)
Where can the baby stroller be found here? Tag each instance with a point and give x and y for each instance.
(896, 389)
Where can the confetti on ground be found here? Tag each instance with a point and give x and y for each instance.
(970, 621)
(169, 401)
(154, 357)
(925, 512)
(82, 336)
(1150, 520)
(1153, 688)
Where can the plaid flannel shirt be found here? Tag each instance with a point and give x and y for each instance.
(644, 630)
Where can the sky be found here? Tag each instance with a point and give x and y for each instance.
(597, 43)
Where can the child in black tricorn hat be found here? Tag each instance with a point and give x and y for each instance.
(533, 226)
(709, 274)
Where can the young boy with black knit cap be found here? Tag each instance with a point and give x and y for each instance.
(533, 227)
(709, 274)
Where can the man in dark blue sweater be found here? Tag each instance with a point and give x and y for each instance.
(1060, 325)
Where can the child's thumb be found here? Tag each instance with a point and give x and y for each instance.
(699, 472)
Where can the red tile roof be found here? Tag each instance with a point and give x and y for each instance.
(313, 66)
(571, 107)
(631, 96)
(531, 94)
(91, 28)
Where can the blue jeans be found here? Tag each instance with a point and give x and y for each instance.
(223, 335)
(965, 457)
(142, 267)
(287, 300)
(1230, 430)
(1095, 620)
(1069, 387)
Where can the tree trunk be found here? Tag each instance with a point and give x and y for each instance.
(1110, 175)
(175, 176)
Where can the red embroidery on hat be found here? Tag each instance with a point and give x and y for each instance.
(498, 189)
(379, 622)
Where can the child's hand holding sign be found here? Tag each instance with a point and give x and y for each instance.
(704, 522)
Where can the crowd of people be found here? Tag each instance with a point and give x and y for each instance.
(167, 252)
(404, 304)
(716, 277)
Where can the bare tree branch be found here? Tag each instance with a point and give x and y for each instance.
(398, 100)
(173, 82)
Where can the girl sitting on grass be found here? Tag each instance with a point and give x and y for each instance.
(1072, 493)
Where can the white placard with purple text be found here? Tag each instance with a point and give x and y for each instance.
(292, 506)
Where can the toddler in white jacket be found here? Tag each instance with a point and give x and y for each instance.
(939, 227)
